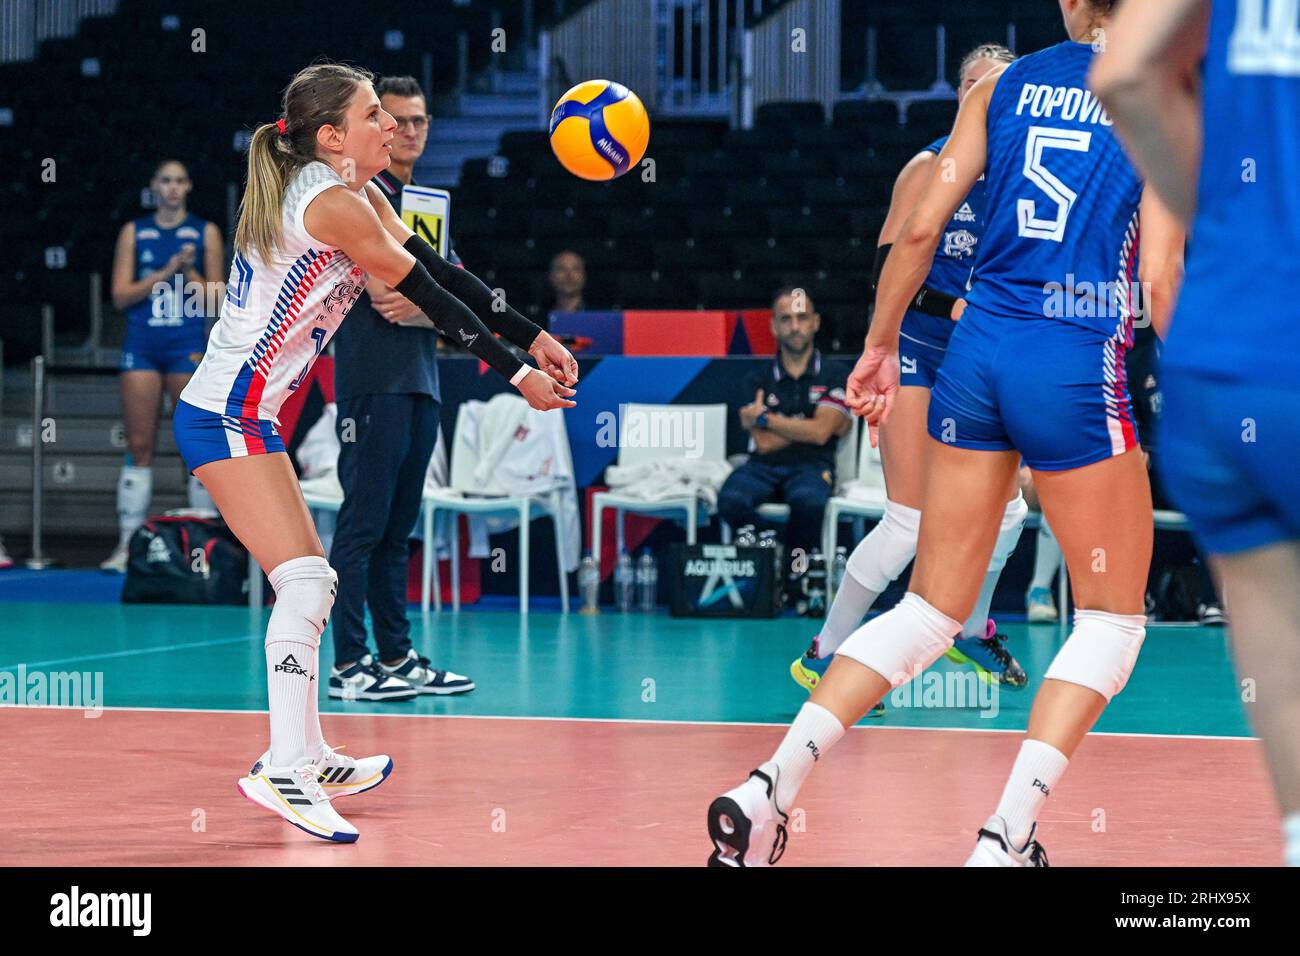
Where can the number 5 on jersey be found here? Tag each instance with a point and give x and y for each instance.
(1041, 139)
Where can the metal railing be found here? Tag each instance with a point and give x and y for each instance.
(792, 55)
(25, 23)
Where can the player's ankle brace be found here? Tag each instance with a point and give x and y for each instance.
(1100, 652)
(899, 644)
(304, 595)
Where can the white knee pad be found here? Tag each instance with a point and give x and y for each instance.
(1100, 652)
(1013, 522)
(882, 555)
(901, 643)
(304, 595)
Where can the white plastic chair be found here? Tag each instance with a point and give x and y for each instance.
(713, 446)
(454, 498)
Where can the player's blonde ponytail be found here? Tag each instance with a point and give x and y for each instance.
(316, 97)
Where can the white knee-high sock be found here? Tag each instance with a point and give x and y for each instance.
(304, 589)
(1291, 838)
(1047, 558)
(1037, 770)
(1013, 522)
(134, 489)
(313, 738)
(878, 559)
(814, 731)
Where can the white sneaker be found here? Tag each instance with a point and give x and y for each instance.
(295, 794)
(365, 681)
(115, 563)
(419, 673)
(1039, 606)
(745, 824)
(344, 776)
(994, 847)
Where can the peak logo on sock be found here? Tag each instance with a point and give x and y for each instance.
(1042, 786)
(290, 665)
(817, 754)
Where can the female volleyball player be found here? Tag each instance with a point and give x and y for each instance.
(882, 555)
(311, 229)
(1229, 435)
(1034, 369)
(166, 268)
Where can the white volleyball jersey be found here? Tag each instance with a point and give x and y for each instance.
(277, 316)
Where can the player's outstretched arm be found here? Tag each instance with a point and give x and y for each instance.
(1148, 80)
(339, 217)
(492, 310)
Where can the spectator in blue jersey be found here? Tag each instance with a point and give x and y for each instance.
(167, 271)
(386, 386)
(795, 414)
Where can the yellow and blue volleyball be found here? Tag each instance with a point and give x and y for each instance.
(599, 130)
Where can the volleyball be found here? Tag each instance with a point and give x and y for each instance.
(599, 130)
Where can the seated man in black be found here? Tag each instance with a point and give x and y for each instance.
(795, 421)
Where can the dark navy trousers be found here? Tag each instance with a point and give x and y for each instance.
(385, 445)
(804, 487)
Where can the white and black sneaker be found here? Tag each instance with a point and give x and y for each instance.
(418, 672)
(365, 681)
(295, 794)
(344, 776)
(994, 847)
(745, 824)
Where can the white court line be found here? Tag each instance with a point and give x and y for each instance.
(620, 720)
(131, 653)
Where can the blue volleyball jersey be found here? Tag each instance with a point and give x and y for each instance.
(954, 261)
(1061, 200)
(1237, 313)
(161, 317)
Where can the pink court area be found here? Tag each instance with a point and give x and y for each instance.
(143, 788)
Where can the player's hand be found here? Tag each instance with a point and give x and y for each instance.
(543, 392)
(750, 412)
(872, 386)
(396, 308)
(186, 256)
(958, 309)
(554, 359)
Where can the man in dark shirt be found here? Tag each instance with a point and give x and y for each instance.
(386, 385)
(795, 420)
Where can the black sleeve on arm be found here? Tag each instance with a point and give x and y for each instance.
(933, 302)
(453, 319)
(470, 289)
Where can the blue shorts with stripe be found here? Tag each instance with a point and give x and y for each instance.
(922, 342)
(1226, 453)
(1055, 392)
(203, 436)
(167, 355)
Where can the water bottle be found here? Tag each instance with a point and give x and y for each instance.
(745, 537)
(589, 584)
(841, 566)
(815, 585)
(647, 581)
(623, 581)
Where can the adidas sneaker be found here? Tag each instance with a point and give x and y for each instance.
(365, 681)
(295, 794)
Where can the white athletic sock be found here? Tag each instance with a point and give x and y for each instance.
(313, 738)
(134, 489)
(200, 500)
(814, 732)
(977, 624)
(875, 563)
(292, 645)
(1047, 557)
(852, 602)
(1291, 835)
(1037, 770)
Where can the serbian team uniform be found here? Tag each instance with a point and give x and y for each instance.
(1037, 361)
(276, 319)
(160, 337)
(1229, 434)
(923, 338)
